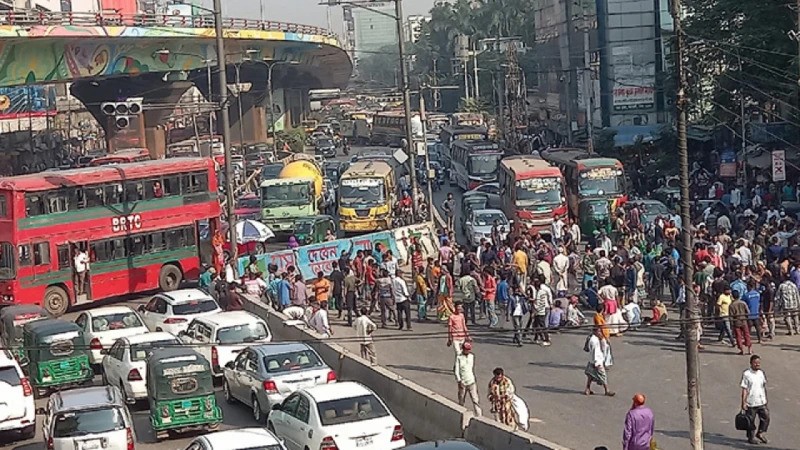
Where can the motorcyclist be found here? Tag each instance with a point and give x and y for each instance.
(406, 204)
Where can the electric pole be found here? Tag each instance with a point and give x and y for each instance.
(398, 11)
(692, 352)
(587, 83)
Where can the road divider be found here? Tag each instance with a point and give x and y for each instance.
(424, 414)
(310, 259)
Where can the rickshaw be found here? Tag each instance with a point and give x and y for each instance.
(56, 354)
(594, 214)
(476, 200)
(12, 319)
(180, 392)
(312, 229)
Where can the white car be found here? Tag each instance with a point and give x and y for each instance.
(240, 439)
(125, 363)
(492, 190)
(17, 411)
(343, 416)
(172, 311)
(103, 326)
(222, 336)
(480, 222)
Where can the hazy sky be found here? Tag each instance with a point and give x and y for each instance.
(308, 12)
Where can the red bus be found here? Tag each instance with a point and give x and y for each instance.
(130, 155)
(138, 224)
(532, 192)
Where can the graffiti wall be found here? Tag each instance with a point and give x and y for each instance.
(63, 53)
(24, 101)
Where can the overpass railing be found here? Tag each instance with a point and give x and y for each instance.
(105, 18)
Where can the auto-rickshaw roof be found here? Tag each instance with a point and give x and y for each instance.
(51, 326)
(176, 356)
(15, 310)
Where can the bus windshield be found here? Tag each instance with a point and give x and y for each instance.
(6, 261)
(600, 181)
(539, 192)
(483, 164)
(357, 192)
(284, 195)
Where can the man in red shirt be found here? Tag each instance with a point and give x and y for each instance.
(369, 283)
(457, 332)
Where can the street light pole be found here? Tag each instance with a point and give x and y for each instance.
(398, 11)
(239, 102)
(270, 66)
(226, 127)
(210, 96)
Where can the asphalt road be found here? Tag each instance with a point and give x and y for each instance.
(651, 361)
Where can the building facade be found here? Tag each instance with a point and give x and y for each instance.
(412, 27)
(373, 31)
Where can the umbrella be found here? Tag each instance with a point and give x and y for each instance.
(252, 231)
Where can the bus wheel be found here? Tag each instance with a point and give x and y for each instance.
(170, 278)
(56, 300)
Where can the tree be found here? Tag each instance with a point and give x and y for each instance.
(381, 66)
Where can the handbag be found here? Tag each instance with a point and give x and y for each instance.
(744, 422)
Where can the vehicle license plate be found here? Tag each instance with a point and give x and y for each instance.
(91, 445)
(363, 442)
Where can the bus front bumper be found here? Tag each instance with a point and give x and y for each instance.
(364, 225)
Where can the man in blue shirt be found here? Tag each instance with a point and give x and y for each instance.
(503, 293)
(753, 300)
(284, 299)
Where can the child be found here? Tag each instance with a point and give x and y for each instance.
(556, 317)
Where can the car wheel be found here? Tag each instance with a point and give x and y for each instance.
(257, 415)
(226, 391)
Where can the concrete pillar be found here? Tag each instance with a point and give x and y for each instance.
(156, 138)
(131, 136)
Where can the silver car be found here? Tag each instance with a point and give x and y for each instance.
(264, 375)
(92, 418)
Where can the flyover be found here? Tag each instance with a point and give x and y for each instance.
(111, 57)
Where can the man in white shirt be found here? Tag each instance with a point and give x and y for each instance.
(736, 197)
(81, 263)
(319, 319)
(364, 328)
(754, 400)
(465, 377)
(401, 300)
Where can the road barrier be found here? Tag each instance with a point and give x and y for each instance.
(424, 414)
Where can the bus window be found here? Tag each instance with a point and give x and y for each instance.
(64, 259)
(133, 191)
(41, 253)
(94, 196)
(113, 194)
(25, 255)
(3, 207)
(172, 185)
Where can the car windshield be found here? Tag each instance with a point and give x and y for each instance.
(539, 192)
(486, 219)
(271, 171)
(249, 203)
(238, 334)
(7, 271)
(653, 209)
(194, 307)
(142, 351)
(118, 321)
(284, 195)
(9, 376)
(324, 143)
(93, 421)
(302, 227)
(600, 181)
(292, 361)
(483, 164)
(353, 409)
(361, 192)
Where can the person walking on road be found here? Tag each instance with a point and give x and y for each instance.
(787, 302)
(445, 295)
(319, 319)
(542, 299)
(469, 288)
(351, 287)
(596, 367)
(639, 426)
(465, 377)
(385, 294)
(402, 300)
(364, 329)
(517, 309)
(754, 400)
(501, 397)
(421, 293)
(457, 332)
(739, 312)
(449, 208)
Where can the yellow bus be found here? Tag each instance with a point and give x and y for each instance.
(366, 197)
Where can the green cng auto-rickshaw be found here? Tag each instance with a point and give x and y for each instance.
(180, 391)
(12, 319)
(594, 214)
(312, 229)
(56, 354)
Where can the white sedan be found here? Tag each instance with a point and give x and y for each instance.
(103, 326)
(239, 439)
(125, 363)
(345, 415)
(480, 222)
(492, 190)
(172, 311)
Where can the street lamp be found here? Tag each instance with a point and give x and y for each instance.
(207, 62)
(238, 67)
(271, 63)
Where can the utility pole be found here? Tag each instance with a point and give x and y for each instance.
(476, 91)
(587, 84)
(398, 11)
(692, 352)
(226, 127)
(744, 125)
(427, 155)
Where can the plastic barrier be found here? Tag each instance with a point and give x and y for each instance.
(424, 414)
(310, 259)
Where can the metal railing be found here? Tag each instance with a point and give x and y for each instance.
(105, 18)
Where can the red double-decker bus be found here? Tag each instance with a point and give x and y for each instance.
(137, 223)
(533, 192)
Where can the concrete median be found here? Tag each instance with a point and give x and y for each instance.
(425, 414)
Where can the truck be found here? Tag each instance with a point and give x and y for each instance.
(297, 192)
(357, 131)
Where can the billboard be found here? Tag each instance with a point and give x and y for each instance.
(634, 81)
(24, 101)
